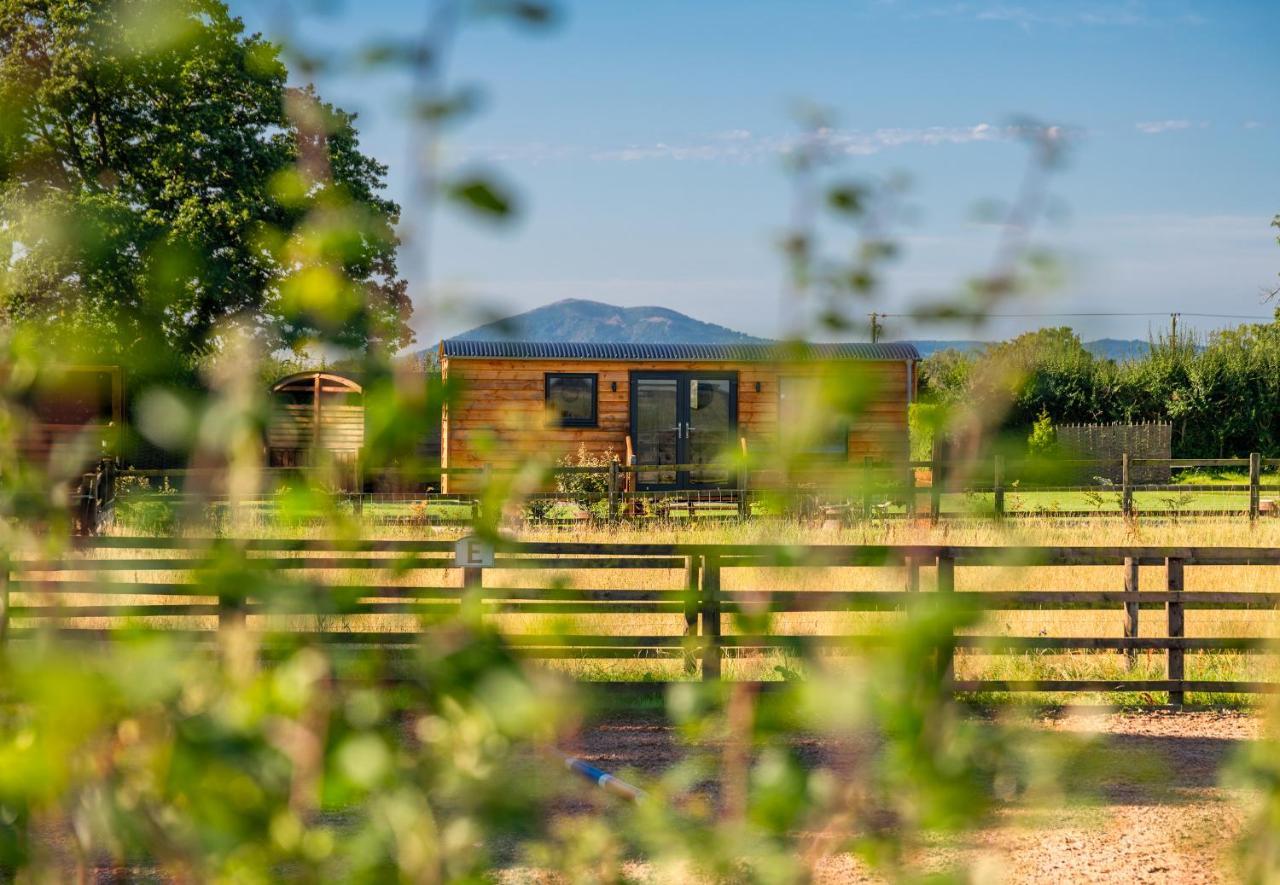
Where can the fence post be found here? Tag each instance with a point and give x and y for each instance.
(1131, 606)
(910, 488)
(947, 650)
(472, 601)
(998, 486)
(744, 505)
(711, 618)
(1126, 487)
(935, 485)
(913, 574)
(692, 580)
(1255, 474)
(87, 506)
(1176, 661)
(4, 602)
(866, 487)
(613, 491)
(231, 613)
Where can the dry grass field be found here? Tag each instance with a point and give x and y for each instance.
(1076, 665)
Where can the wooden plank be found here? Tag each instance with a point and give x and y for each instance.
(281, 545)
(710, 611)
(568, 564)
(606, 640)
(753, 554)
(1131, 607)
(114, 611)
(402, 563)
(1104, 685)
(1004, 645)
(692, 591)
(990, 600)
(1182, 644)
(946, 584)
(1175, 659)
(4, 603)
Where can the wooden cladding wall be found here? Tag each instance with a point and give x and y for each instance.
(75, 409)
(315, 411)
(499, 417)
(341, 427)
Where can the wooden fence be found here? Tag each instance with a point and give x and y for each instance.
(867, 490)
(209, 577)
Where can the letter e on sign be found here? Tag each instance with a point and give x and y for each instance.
(473, 552)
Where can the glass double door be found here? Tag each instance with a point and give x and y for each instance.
(681, 424)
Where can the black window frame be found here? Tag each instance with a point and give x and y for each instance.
(559, 421)
(845, 423)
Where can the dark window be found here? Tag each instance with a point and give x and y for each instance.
(296, 396)
(811, 423)
(77, 397)
(345, 398)
(571, 398)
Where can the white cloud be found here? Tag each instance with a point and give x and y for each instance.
(1159, 127)
(741, 145)
(528, 152)
(1252, 124)
(740, 149)
(1128, 13)
(744, 146)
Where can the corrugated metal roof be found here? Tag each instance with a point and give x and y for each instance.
(744, 353)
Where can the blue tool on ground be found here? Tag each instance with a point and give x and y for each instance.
(604, 780)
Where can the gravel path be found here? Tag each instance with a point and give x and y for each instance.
(1144, 826)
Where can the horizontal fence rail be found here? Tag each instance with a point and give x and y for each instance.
(311, 588)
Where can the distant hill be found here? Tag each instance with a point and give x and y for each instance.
(1118, 349)
(930, 346)
(577, 320)
(580, 320)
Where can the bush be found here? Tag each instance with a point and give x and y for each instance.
(585, 489)
(1043, 440)
(1221, 394)
(144, 510)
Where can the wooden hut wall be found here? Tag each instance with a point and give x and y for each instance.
(295, 428)
(499, 418)
(75, 406)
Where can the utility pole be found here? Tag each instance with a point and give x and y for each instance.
(875, 327)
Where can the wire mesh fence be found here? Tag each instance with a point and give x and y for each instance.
(935, 490)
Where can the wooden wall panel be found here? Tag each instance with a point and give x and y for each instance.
(499, 419)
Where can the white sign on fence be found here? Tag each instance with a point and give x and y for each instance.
(473, 552)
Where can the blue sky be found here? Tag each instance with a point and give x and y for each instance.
(644, 141)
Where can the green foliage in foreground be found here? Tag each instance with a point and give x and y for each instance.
(254, 763)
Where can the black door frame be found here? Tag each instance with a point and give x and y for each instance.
(684, 418)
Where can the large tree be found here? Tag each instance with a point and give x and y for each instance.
(158, 178)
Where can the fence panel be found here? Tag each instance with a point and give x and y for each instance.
(73, 594)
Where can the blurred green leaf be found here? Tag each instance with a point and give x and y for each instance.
(483, 197)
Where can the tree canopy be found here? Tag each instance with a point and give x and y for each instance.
(159, 179)
(1222, 395)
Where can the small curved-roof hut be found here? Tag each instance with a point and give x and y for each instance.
(314, 413)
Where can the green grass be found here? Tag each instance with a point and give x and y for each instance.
(1104, 502)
